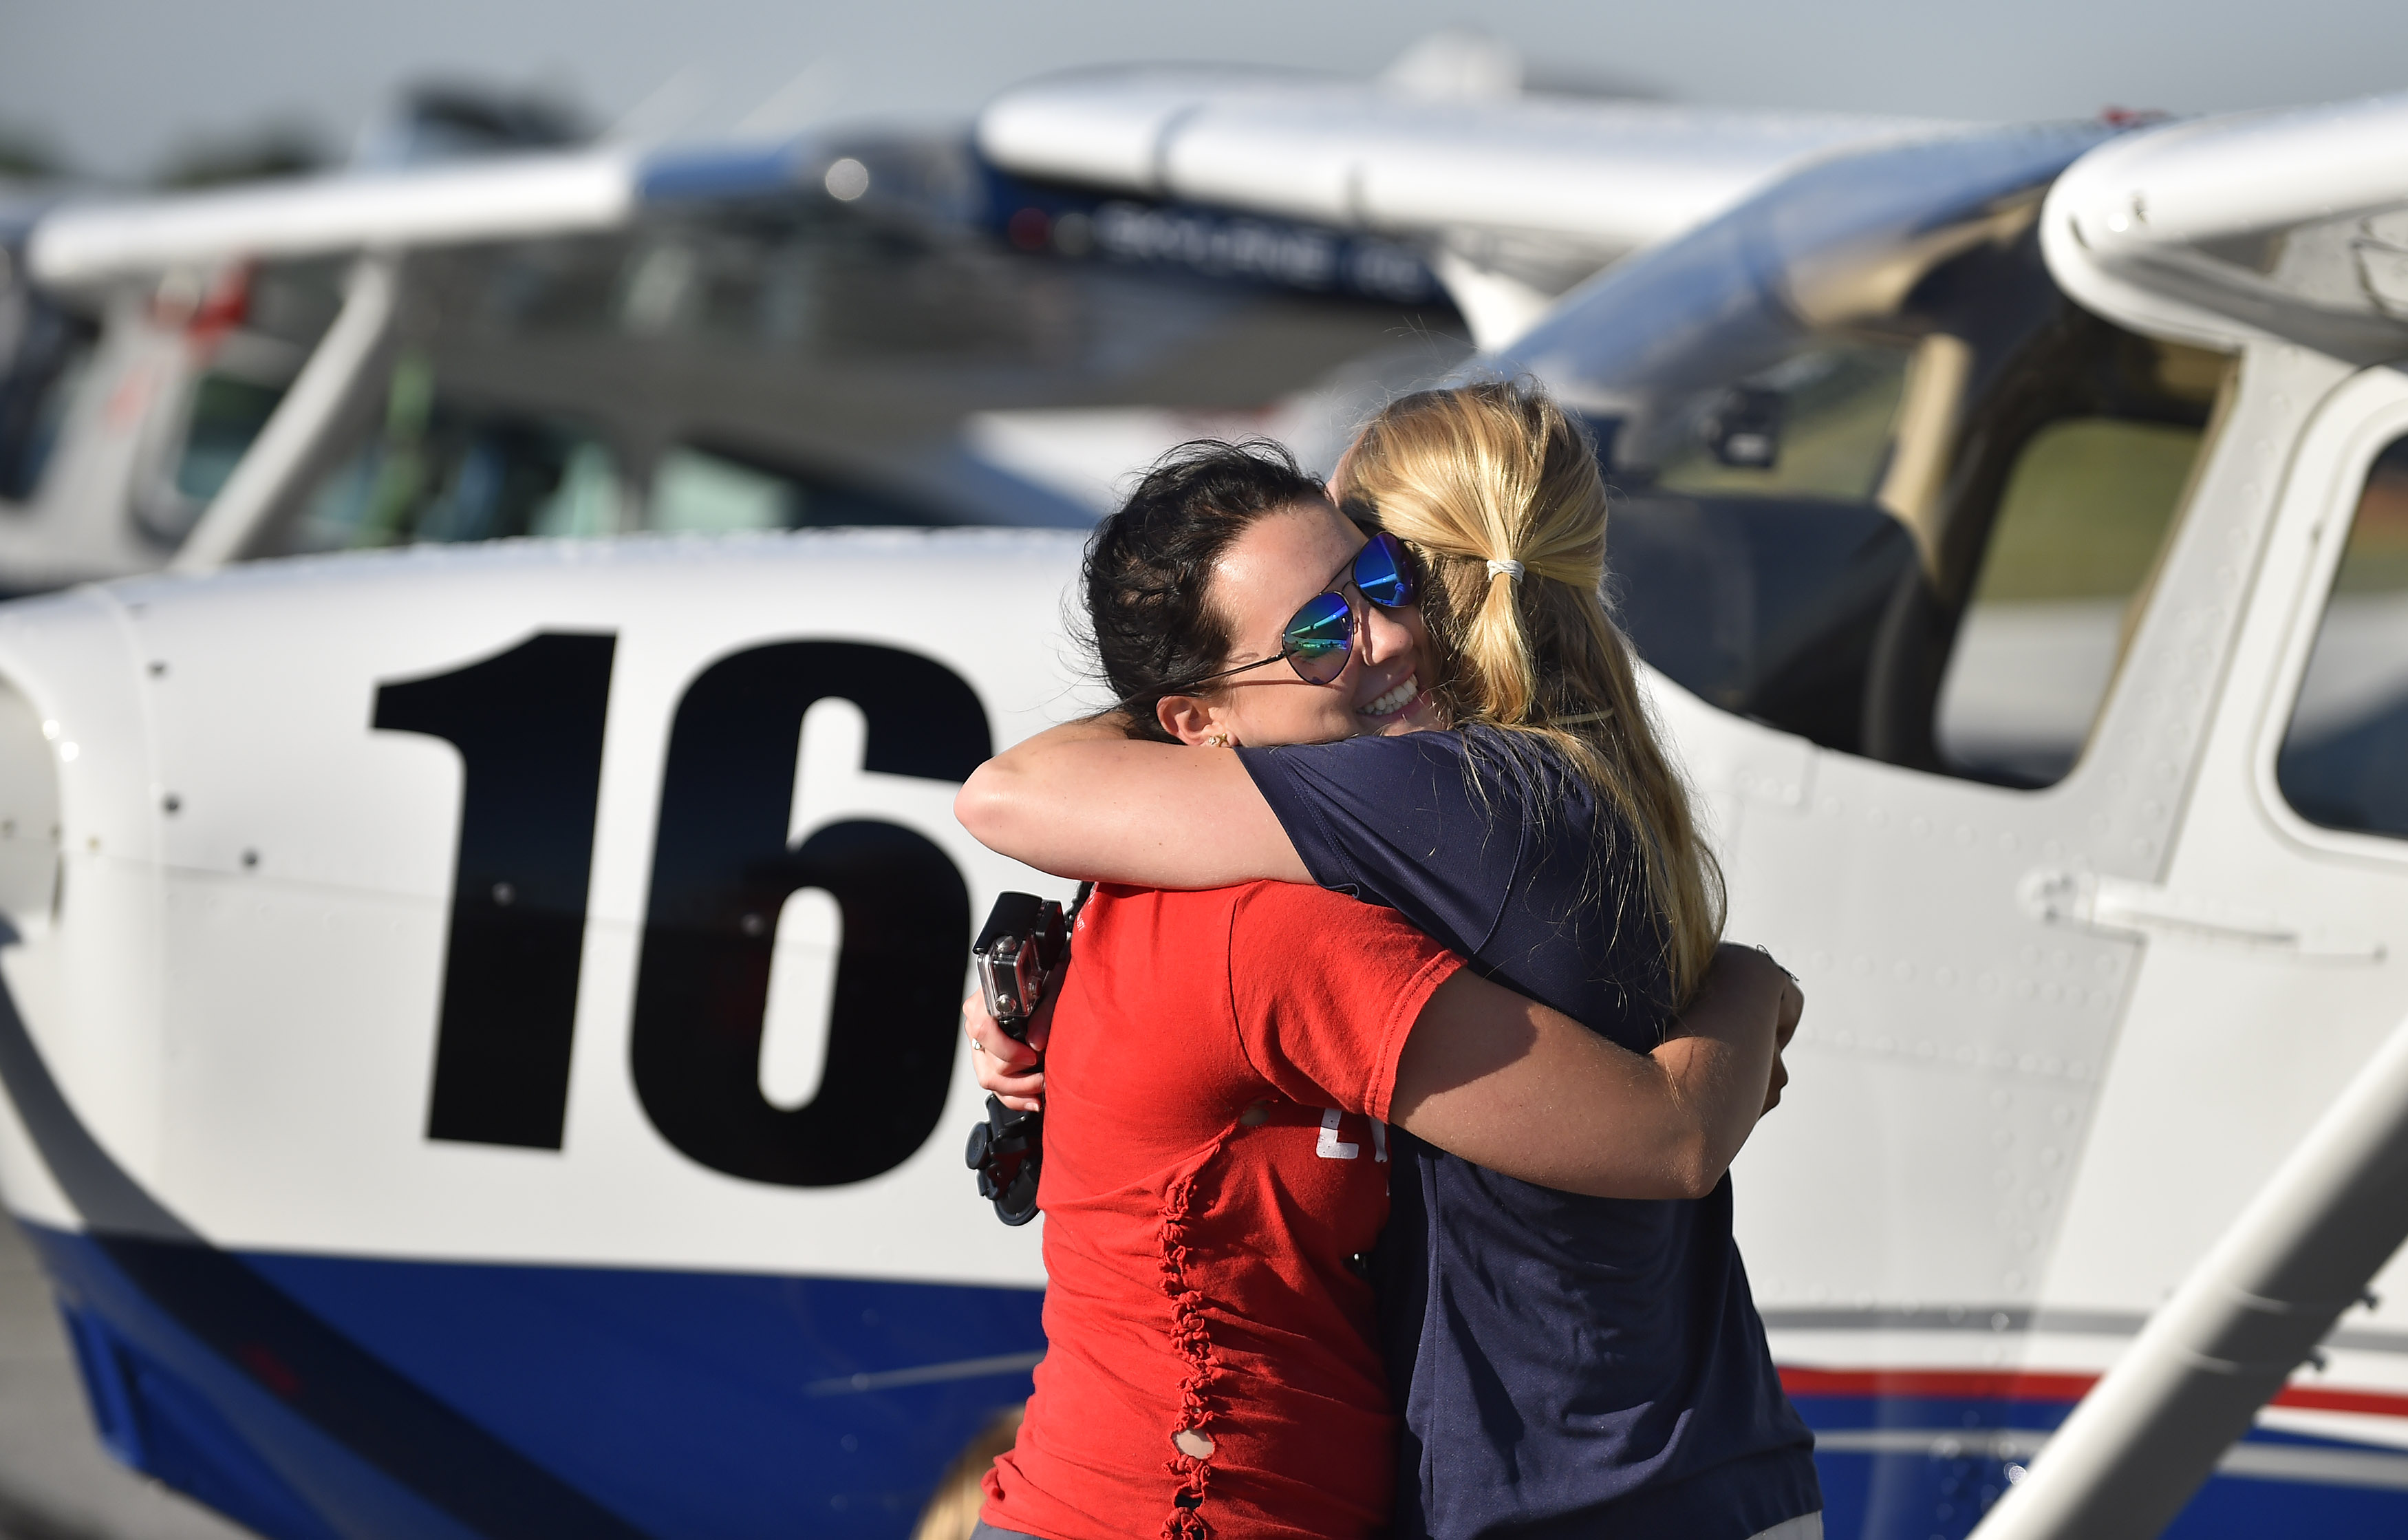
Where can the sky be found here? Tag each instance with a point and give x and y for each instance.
(117, 87)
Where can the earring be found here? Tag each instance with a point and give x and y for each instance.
(1217, 740)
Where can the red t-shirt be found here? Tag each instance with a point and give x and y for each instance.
(1213, 1156)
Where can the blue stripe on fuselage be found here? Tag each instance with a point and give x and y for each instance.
(698, 1403)
(667, 1404)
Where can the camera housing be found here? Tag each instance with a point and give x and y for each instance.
(1026, 938)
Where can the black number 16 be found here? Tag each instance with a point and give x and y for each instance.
(528, 726)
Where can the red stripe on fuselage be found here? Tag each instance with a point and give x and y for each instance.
(1951, 1384)
(2060, 1389)
(2311, 1399)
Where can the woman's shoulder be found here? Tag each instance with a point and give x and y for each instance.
(1498, 775)
(1479, 751)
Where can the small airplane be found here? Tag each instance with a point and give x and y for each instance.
(478, 1017)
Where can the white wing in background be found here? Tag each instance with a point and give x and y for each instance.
(522, 195)
(1522, 190)
(510, 198)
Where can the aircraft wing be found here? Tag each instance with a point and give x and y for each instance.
(2290, 224)
(1616, 173)
(513, 197)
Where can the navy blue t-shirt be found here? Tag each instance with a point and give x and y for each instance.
(1562, 1363)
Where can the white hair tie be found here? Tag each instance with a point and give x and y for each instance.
(1507, 568)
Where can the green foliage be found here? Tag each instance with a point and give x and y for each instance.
(274, 150)
(26, 155)
(2377, 559)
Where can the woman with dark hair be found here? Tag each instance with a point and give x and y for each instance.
(1223, 1066)
(1566, 1361)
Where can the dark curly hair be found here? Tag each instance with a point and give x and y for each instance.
(1148, 567)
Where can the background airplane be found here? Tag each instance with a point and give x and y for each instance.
(478, 1033)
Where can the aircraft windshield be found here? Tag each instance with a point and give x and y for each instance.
(1880, 484)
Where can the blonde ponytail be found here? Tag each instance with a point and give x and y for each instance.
(1499, 496)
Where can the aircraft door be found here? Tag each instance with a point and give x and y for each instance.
(2271, 957)
(1956, 1035)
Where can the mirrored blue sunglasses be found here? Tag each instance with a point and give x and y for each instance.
(1320, 637)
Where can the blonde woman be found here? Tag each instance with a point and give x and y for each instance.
(1563, 1365)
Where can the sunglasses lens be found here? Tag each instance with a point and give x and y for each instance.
(1383, 573)
(1319, 636)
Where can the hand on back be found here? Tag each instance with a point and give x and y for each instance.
(1763, 990)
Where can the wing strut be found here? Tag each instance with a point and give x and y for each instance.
(2299, 1255)
(265, 476)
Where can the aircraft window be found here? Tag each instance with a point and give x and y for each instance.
(227, 415)
(224, 414)
(2086, 508)
(442, 470)
(1878, 482)
(695, 490)
(1794, 559)
(1816, 425)
(2344, 760)
(588, 500)
(50, 357)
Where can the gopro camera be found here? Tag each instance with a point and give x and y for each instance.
(1024, 940)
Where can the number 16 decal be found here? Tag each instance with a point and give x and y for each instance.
(528, 725)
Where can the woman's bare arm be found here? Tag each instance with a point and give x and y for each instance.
(1508, 1084)
(1087, 800)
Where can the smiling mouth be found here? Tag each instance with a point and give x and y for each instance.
(1395, 699)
